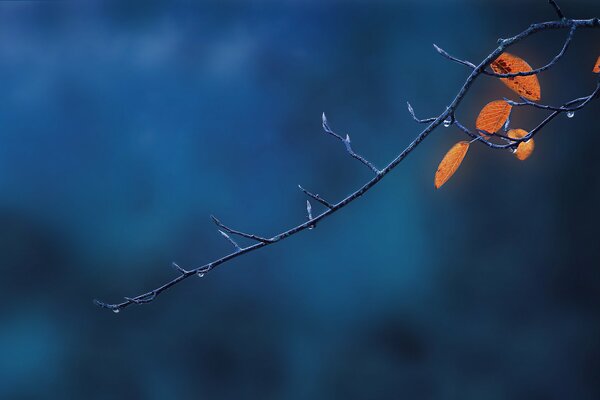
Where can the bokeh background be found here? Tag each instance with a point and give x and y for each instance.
(124, 125)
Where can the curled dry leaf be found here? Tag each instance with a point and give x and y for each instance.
(596, 69)
(450, 163)
(524, 149)
(493, 116)
(526, 86)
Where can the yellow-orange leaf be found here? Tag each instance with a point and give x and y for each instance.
(596, 69)
(526, 86)
(493, 116)
(450, 163)
(524, 149)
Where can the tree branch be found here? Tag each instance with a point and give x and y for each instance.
(447, 115)
(513, 142)
(556, 9)
(230, 240)
(420, 121)
(503, 42)
(316, 197)
(178, 268)
(346, 142)
(234, 232)
(444, 53)
(563, 108)
(536, 71)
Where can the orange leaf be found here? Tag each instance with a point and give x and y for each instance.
(524, 149)
(493, 116)
(596, 69)
(526, 86)
(450, 163)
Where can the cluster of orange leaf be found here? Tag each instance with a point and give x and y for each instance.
(495, 114)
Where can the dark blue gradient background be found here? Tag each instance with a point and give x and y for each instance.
(124, 125)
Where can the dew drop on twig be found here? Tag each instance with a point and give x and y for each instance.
(200, 274)
(116, 310)
(447, 123)
(570, 114)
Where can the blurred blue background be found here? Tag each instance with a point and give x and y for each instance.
(124, 125)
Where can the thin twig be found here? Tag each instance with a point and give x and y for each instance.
(316, 197)
(454, 59)
(503, 43)
(480, 138)
(513, 142)
(178, 268)
(536, 71)
(239, 233)
(346, 142)
(563, 108)
(230, 240)
(557, 9)
(420, 121)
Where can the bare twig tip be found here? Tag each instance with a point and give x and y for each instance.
(102, 304)
(233, 242)
(132, 300)
(556, 9)
(316, 197)
(99, 303)
(178, 268)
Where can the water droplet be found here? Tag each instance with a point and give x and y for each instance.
(116, 310)
(200, 274)
(447, 123)
(570, 114)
